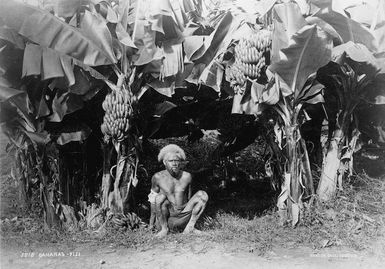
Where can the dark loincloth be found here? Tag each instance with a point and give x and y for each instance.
(178, 219)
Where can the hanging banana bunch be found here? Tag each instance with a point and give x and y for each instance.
(117, 106)
(250, 59)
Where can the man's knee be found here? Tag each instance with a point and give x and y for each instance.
(159, 199)
(203, 196)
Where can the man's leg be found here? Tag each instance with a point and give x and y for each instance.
(162, 213)
(196, 205)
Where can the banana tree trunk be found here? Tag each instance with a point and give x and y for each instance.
(306, 171)
(118, 199)
(21, 174)
(296, 172)
(47, 197)
(328, 183)
(106, 179)
(294, 199)
(338, 164)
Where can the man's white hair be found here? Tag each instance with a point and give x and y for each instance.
(171, 148)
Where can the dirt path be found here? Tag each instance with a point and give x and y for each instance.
(218, 256)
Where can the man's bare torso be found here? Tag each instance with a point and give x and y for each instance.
(175, 188)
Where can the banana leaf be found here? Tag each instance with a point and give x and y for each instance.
(379, 34)
(94, 27)
(10, 35)
(172, 60)
(212, 76)
(309, 50)
(82, 85)
(64, 103)
(356, 52)
(7, 93)
(348, 29)
(123, 36)
(211, 53)
(46, 30)
(364, 13)
(192, 44)
(47, 63)
(288, 20)
(247, 107)
(67, 137)
(11, 59)
(66, 8)
(322, 3)
(311, 92)
(337, 40)
(144, 40)
(264, 6)
(217, 41)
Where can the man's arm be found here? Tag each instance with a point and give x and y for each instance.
(151, 198)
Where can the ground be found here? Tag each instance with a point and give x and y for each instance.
(238, 232)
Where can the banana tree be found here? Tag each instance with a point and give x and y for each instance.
(358, 56)
(351, 87)
(298, 51)
(70, 51)
(83, 42)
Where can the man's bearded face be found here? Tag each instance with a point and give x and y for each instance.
(173, 163)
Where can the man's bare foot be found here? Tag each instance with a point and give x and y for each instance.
(161, 234)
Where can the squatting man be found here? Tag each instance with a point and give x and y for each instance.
(170, 196)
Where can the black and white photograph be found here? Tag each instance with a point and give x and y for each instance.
(194, 134)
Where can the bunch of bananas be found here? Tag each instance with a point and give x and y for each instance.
(129, 220)
(117, 106)
(250, 59)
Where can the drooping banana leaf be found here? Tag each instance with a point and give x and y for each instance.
(172, 60)
(145, 41)
(215, 42)
(212, 55)
(310, 48)
(47, 63)
(348, 29)
(212, 76)
(94, 27)
(45, 29)
(357, 52)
